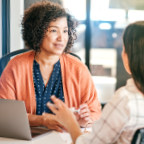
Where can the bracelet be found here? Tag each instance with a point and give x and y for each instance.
(86, 127)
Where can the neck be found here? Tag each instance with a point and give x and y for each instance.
(46, 59)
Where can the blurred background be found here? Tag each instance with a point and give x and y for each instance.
(99, 35)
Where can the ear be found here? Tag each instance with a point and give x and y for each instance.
(126, 63)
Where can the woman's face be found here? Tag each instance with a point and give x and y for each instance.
(125, 61)
(56, 37)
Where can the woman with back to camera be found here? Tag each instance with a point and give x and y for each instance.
(48, 69)
(124, 114)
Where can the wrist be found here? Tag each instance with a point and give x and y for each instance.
(74, 130)
(35, 120)
(69, 125)
(43, 120)
(82, 123)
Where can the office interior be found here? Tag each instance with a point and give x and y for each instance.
(99, 36)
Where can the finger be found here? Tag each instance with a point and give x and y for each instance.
(83, 106)
(57, 101)
(60, 125)
(87, 118)
(77, 116)
(85, 115)
(85, 110)
(54, 110)
(63, 128)
(58, 129)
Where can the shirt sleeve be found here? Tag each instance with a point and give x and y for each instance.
(7, 84)
(89, 94)
(113, 120)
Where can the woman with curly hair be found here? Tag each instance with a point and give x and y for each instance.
(48, 68)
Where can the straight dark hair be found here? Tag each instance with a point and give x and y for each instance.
(133, 39)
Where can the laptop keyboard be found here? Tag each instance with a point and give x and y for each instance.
(36, 131)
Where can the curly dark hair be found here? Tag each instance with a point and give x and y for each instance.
(36, 21)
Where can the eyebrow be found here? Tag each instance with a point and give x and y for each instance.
(57, 26)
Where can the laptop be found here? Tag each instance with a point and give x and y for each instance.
(14, 121)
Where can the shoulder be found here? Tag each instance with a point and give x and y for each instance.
(119, 103)
(20, 62)
(22, 58)
(120, 94)
(72, 61)
(129, 90)
(125, 94)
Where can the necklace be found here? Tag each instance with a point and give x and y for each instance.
(44, 79)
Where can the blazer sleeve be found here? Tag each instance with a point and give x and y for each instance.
(89, 94)
(7, 84)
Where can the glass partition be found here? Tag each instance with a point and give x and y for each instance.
(108, 19)
(77, 8)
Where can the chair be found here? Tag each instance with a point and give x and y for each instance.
(138, 137)
(5, 59)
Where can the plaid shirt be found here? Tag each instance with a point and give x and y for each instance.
(120, 118)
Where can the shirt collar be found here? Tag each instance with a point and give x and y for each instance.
(130, 81)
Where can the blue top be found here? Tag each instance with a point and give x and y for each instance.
(54, 87)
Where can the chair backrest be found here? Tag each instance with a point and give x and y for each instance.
(138, 137)
(75, 55)
(5, 59)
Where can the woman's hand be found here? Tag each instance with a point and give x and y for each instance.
(83, 117)
(65, 117)
(63, 114)
(50, 122)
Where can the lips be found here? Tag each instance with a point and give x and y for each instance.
(60, 46)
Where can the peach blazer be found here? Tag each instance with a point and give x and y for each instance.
(16, 82)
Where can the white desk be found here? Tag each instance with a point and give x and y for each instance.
(49, 138)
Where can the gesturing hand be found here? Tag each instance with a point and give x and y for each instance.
(83, 117)
(63, 114)
(66, 117)
(50, 122)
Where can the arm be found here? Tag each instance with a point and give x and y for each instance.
(90, 106)
(106, 130)
(74, 130)
(47, 120)
(7, 85)
(8, 91)
(113, 120)
(83, 118)
(109, 127)
(65, 117)
(35, 120)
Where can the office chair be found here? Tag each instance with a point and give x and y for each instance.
(5, 59)
(138, 137)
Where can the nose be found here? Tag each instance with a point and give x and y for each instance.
(60, 36)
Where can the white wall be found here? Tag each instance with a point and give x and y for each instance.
(0, 28)
(16, 13)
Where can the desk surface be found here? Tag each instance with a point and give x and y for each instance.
(52, 137)
(49, 138)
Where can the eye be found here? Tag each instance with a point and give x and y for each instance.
(65, 31)
(53, 30)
